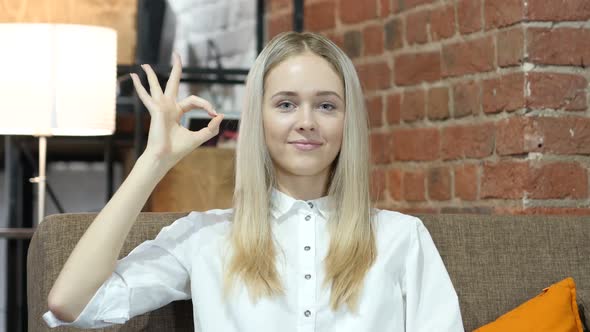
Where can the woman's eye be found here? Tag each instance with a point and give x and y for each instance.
(285, 105)
(327, 107)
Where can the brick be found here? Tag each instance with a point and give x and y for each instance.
(558, 180)
(474, 56)
(375, 75)
(416, 25)
(419, 144)
(516, 136)
(394, 184)
(354, 11)
(320, 16)
(504, 180)
(413, 105)
(373, 40)
(469, 16)
(558, 10)
(505, 93)
(385, 9)
(466, 99)
(278, 23)
(562, 136)
(393, 34)
(511, 47)
(414, 68)
(353, 43)
(442, 22)
(550, 181)
(381, 148)
(414, 186)
(467, 141)
(561, 46)
(378, 184)
(501, 13)
(557, 91)
(438, 103)
(375, 111)
(466, 182)
(394, 106)
(439, 184)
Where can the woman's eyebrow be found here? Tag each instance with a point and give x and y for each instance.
(319, 93)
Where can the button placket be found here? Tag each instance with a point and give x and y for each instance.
(307, 286)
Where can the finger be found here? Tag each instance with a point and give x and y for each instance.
(174, 79)
(141, 92)
(193, 102)
(210, 131)
(155, 89)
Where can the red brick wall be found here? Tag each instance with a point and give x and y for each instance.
(475, 105)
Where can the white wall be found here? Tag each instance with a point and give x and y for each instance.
(230, 25)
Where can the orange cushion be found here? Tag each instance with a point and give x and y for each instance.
(554, 310)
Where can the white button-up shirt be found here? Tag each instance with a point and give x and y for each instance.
(407, 289)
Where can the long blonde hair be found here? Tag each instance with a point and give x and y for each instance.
(352, 248)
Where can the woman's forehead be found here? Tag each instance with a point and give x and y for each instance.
(303, 73)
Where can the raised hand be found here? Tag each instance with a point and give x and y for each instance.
(168, 141)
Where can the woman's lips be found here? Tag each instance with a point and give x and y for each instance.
(306, 146)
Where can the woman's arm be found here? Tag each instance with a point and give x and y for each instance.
(94, 257)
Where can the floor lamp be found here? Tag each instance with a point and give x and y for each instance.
(56, 80)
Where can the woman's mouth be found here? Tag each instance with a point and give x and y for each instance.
(305, 146)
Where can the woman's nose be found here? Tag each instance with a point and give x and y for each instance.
(306, 119)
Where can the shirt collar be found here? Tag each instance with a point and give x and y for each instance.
(282, 203)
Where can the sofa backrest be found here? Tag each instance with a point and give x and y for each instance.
(495, 262)
(50, 247)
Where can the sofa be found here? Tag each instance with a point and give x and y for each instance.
(496, 262)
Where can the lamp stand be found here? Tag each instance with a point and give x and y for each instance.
(40, 179)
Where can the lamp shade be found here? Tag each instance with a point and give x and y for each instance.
(57, 79)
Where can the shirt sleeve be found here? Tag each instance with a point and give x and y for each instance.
(152, 275)
(431, 303)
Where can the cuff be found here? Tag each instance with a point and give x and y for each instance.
(108, 306)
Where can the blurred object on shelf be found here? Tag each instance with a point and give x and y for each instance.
(203, 180)
(228, 139)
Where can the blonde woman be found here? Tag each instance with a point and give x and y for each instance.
(302, 249)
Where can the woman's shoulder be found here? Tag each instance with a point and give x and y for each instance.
(214, 220)
(203, 224)
(396, 222)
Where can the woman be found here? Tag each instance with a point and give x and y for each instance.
(301, 249)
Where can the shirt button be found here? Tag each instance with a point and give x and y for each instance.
(310, 204)
(307, 248)
(307, 313)
(308, 276)
(307, 217)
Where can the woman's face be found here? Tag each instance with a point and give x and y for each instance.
(303, 101)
